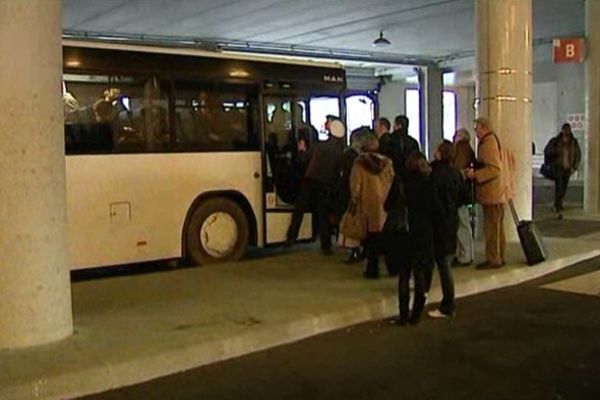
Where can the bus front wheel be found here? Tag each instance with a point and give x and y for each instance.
(216, 232)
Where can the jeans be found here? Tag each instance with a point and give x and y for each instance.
(313, 196)
(447, 305)
(405, 272)
(464, 248)
(560, 187)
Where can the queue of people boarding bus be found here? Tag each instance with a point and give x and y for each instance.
(388, 202)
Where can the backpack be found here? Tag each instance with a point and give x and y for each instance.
(508, 170)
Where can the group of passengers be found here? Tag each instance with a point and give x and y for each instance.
(394, 204)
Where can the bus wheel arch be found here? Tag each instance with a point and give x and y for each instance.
(222, 211)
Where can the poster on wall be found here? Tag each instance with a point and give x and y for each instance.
(577, 121)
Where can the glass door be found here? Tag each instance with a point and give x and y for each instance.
(360, 111)
(287, 138)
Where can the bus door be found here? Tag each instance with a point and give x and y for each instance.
(287, 135)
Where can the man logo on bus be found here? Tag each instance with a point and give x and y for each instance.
(333, 78)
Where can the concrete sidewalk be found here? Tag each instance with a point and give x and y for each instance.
(134, 328)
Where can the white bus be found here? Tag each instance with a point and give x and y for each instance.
(181, 153)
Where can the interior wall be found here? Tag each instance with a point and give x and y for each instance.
(566, 84)
(392, 102)
(465, 97)
(391, 99)
(545, 113)
(558, 89)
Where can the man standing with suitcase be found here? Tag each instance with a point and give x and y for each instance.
(491, 193)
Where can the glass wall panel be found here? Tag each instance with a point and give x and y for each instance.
(320, 108)
(413, 107)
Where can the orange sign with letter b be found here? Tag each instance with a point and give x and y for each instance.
(568, 50)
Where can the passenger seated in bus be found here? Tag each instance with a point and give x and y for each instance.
(186, 127)
(236, 120)
(208, 120)
(90, 129)
(154, 114)
(124, 131)
(107, 107)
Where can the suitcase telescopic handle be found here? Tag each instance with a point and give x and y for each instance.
(513, 212)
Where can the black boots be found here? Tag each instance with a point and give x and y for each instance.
(356, 256)
(372, 271)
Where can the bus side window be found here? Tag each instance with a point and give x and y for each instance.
(106, 114)
(214, 119)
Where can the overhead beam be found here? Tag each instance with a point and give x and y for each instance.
(213, 44)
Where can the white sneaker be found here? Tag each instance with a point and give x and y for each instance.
(437, 314)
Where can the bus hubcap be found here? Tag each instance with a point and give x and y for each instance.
(219, 234)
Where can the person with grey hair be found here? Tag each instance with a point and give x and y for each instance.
(491, 192)
(464, 158)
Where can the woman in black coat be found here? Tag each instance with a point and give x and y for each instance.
(450, 191)
(421, 207)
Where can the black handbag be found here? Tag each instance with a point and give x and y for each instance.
(548, 171)
(397, 214)
(396, 221)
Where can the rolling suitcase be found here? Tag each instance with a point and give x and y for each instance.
(530, 237)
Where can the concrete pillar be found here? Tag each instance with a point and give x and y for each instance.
(434, 117)
(431, 87)
(503, 31)
(592, 80)
(35, 297)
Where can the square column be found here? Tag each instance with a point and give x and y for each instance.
(431, 89)
(35, 291)
(592, 99)
(503, 31)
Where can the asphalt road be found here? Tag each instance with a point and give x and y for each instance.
(523, 342)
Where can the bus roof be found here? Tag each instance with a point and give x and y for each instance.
(190, 51)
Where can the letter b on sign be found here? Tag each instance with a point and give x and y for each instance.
(568, 50)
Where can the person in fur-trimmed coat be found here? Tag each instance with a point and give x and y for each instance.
(370, 181)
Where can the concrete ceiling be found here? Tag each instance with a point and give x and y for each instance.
(433, 29)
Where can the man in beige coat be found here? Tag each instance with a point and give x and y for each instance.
(491, 193)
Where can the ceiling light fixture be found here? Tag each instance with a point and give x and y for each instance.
(381, 41)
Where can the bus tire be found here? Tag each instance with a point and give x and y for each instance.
(217, 231)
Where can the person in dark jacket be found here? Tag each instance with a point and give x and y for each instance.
(563, 154)
(343, 190)
(382, 129)
(398, 146)
(420, 258)
(448, 185)
(315, 189)
(464, 158)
